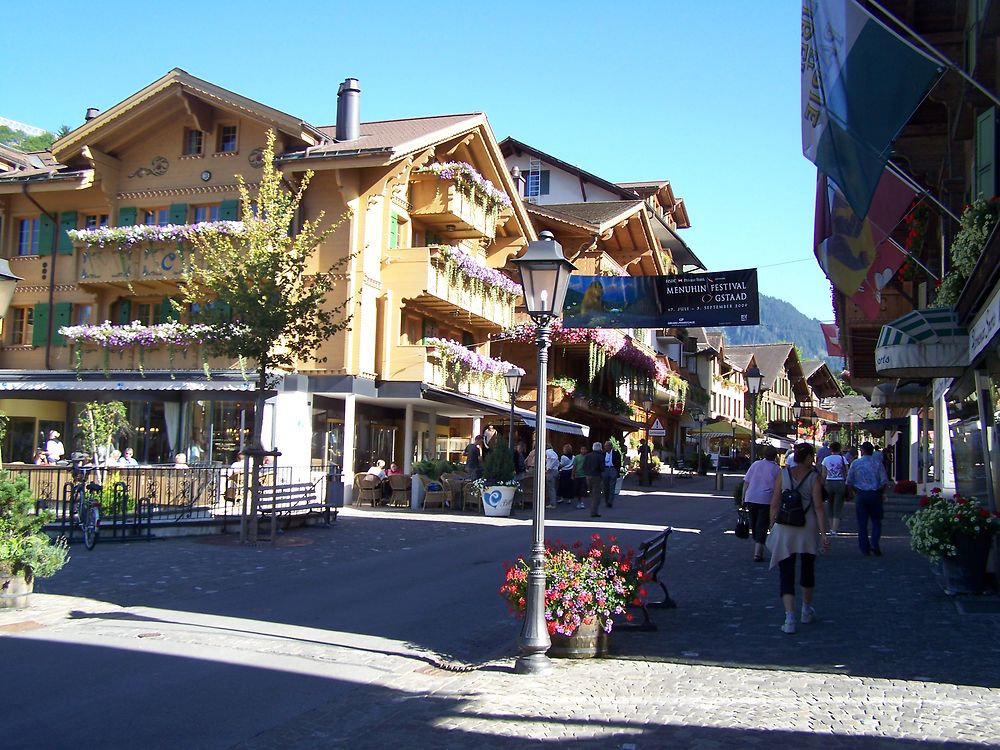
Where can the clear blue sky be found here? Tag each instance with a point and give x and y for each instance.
(705, 94)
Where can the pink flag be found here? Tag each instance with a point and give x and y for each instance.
(845, 245)
(832, 335)
(868, 298)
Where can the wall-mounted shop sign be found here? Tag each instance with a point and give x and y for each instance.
(722, 298)
(985, 326)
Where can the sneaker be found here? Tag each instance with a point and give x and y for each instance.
(808, 615)
(550, 505)
(789, 626)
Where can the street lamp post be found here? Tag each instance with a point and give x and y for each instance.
(545, 276)
(647, 406)
(732, 447)
(699, 417)
(513, 377)
(755, 384)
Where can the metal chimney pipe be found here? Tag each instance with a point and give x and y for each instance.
(349, 110)
(92, 112)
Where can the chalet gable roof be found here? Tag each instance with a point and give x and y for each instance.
(772, 360)
(193, 95)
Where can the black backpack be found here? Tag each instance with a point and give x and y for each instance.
(791, 512)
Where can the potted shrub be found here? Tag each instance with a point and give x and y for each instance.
(432, 468)
(958, 532)
(498, 484)
(586, 590)
(26, 552)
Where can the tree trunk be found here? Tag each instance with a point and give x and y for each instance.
(256, 450)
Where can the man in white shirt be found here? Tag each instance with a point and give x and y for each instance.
(54, 447)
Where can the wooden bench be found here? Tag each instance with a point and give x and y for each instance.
(293, 500)
(652, 555)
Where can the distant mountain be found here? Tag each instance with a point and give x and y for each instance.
(780, 321)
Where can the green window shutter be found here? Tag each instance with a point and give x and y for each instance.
(125, 312)
(166, 312)
(178, 213)
(67, 221)
(46, 234)
(393, 230)
(63, 317)
(544, 183)
(40, 328)
(985, 179)
(127, 216)
(229, 210)
(225, 310)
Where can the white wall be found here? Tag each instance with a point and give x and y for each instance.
(564, 187)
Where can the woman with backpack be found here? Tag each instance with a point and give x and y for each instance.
(798, 531)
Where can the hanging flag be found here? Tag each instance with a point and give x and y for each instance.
(845, 246)
(868, 298)
(861, 83)
(832, 335)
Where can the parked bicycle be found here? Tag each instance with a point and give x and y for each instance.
(86, 504)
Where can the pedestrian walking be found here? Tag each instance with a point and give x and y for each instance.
(474, 458)
(520, 460)
(791, 543)
(593, 469)
(758, 488)
(867, 479)
(612, 471)
(834, 472)
(566, 488)
(551, 475)
(580, 477)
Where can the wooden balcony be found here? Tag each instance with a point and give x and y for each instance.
(155, 359)
(424, 364)
(154, 265)
(449, 212)
(417, 274)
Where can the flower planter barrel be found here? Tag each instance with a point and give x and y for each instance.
(15, 591)
(965, 572)
(589, 641)
(497, 501)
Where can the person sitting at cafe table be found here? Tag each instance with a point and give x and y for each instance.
(378, 470)
(128, 458)
(394, 469)
(41, 458)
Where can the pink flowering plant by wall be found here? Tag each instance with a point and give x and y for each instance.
(463, 270)
(470, 183)
(582, 584)
(463, 363)
(934, 526)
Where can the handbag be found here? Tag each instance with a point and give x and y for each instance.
(742, 530)
(791, 512)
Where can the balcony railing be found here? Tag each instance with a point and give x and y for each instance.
(151, 359)
(419, 274)
(469, 383)
(449, 211)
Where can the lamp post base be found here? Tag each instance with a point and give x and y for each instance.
(537, 663)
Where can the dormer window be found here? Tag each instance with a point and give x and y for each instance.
(193, 142)
(227, 141)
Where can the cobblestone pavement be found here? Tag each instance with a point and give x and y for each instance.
(891, 660)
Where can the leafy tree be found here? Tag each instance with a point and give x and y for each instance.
(846, 387)
(27, 143)
(258, 291)
(761, 420)
(99, 425)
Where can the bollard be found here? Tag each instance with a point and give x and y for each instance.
(720, 481)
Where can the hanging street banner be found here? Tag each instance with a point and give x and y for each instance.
(722, 298)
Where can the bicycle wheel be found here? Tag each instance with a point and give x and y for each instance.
(90, 528)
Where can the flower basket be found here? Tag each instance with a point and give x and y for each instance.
(584, 587)
(905, 487)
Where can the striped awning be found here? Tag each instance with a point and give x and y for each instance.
(923, 344)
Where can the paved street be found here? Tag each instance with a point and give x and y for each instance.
(338, 638)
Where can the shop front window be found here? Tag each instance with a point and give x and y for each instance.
(327, 438)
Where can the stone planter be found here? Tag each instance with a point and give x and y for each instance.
(588, 642)
(15, 591)
(497, 500)
(965, 572)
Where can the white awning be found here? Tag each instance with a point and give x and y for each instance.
(911, 396)
(923, 344)
(42, 386)
(482, 406)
